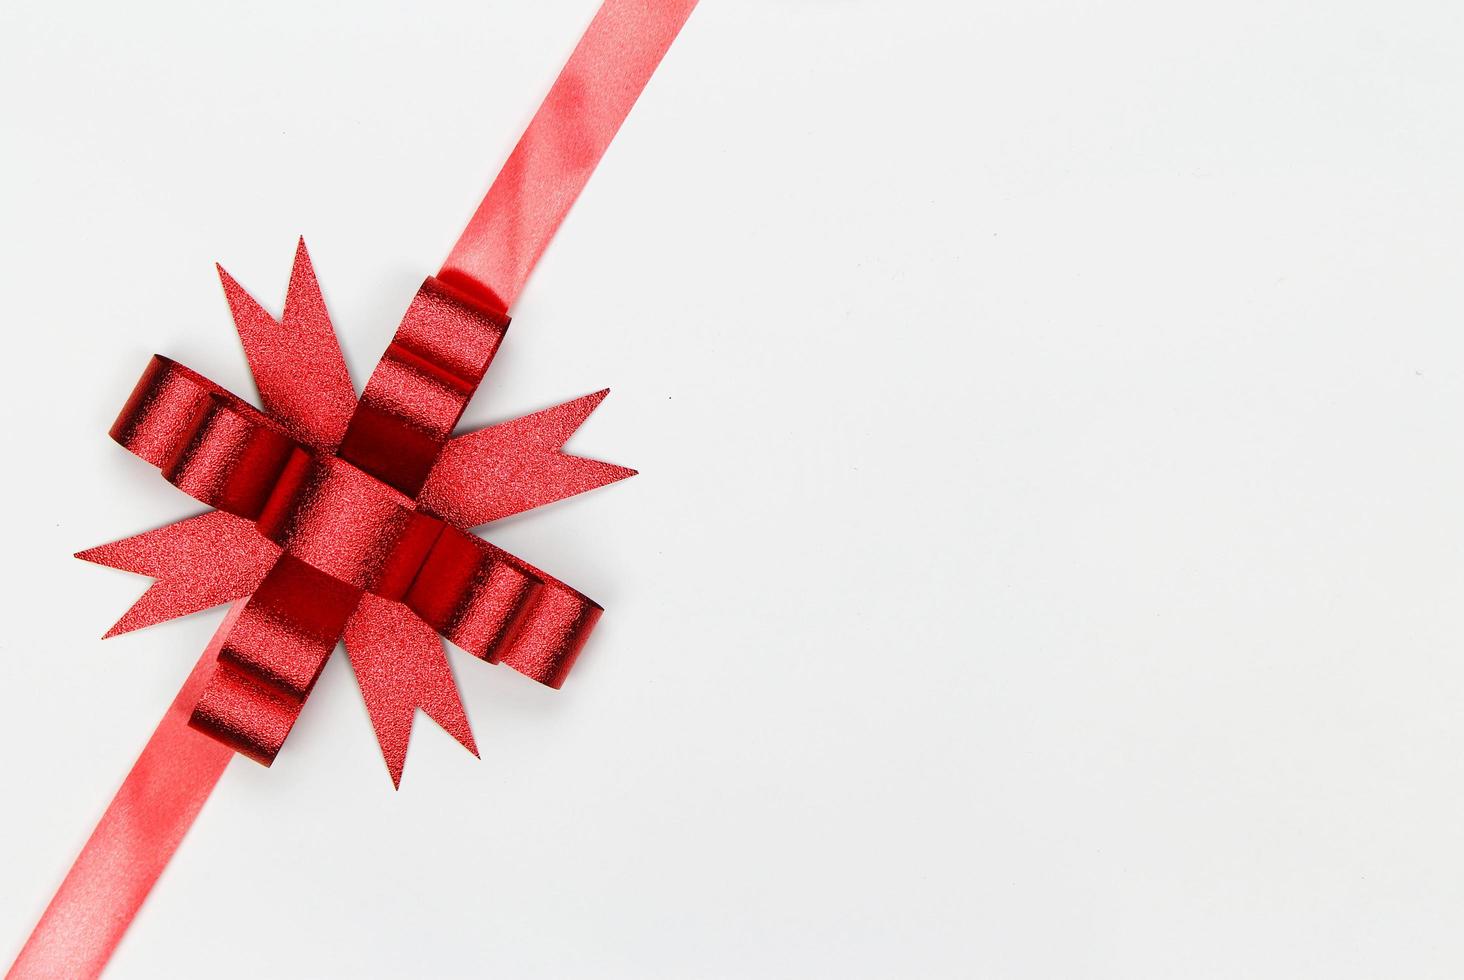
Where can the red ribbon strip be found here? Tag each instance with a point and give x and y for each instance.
(564, 142)
(295, 512)
(133, 841)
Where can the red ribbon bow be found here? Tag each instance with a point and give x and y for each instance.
(349, 518)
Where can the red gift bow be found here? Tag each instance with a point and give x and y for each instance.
(345, 518)
(177, 770)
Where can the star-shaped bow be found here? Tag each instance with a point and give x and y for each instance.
(349, 518)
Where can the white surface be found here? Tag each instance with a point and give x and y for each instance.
(1047, 555)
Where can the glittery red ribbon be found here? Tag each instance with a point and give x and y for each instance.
(344, 518)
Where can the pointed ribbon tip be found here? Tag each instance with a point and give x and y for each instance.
(296, 360)
(516, 466)
(401, 665)
(198, 563)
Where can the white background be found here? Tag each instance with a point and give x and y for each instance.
(1046, 560)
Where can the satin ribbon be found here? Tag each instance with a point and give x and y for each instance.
(562, 146)
(179, 767)
(133, 841)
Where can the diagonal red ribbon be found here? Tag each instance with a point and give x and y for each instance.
(133, 841)
(523, 209)
(562, 146)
